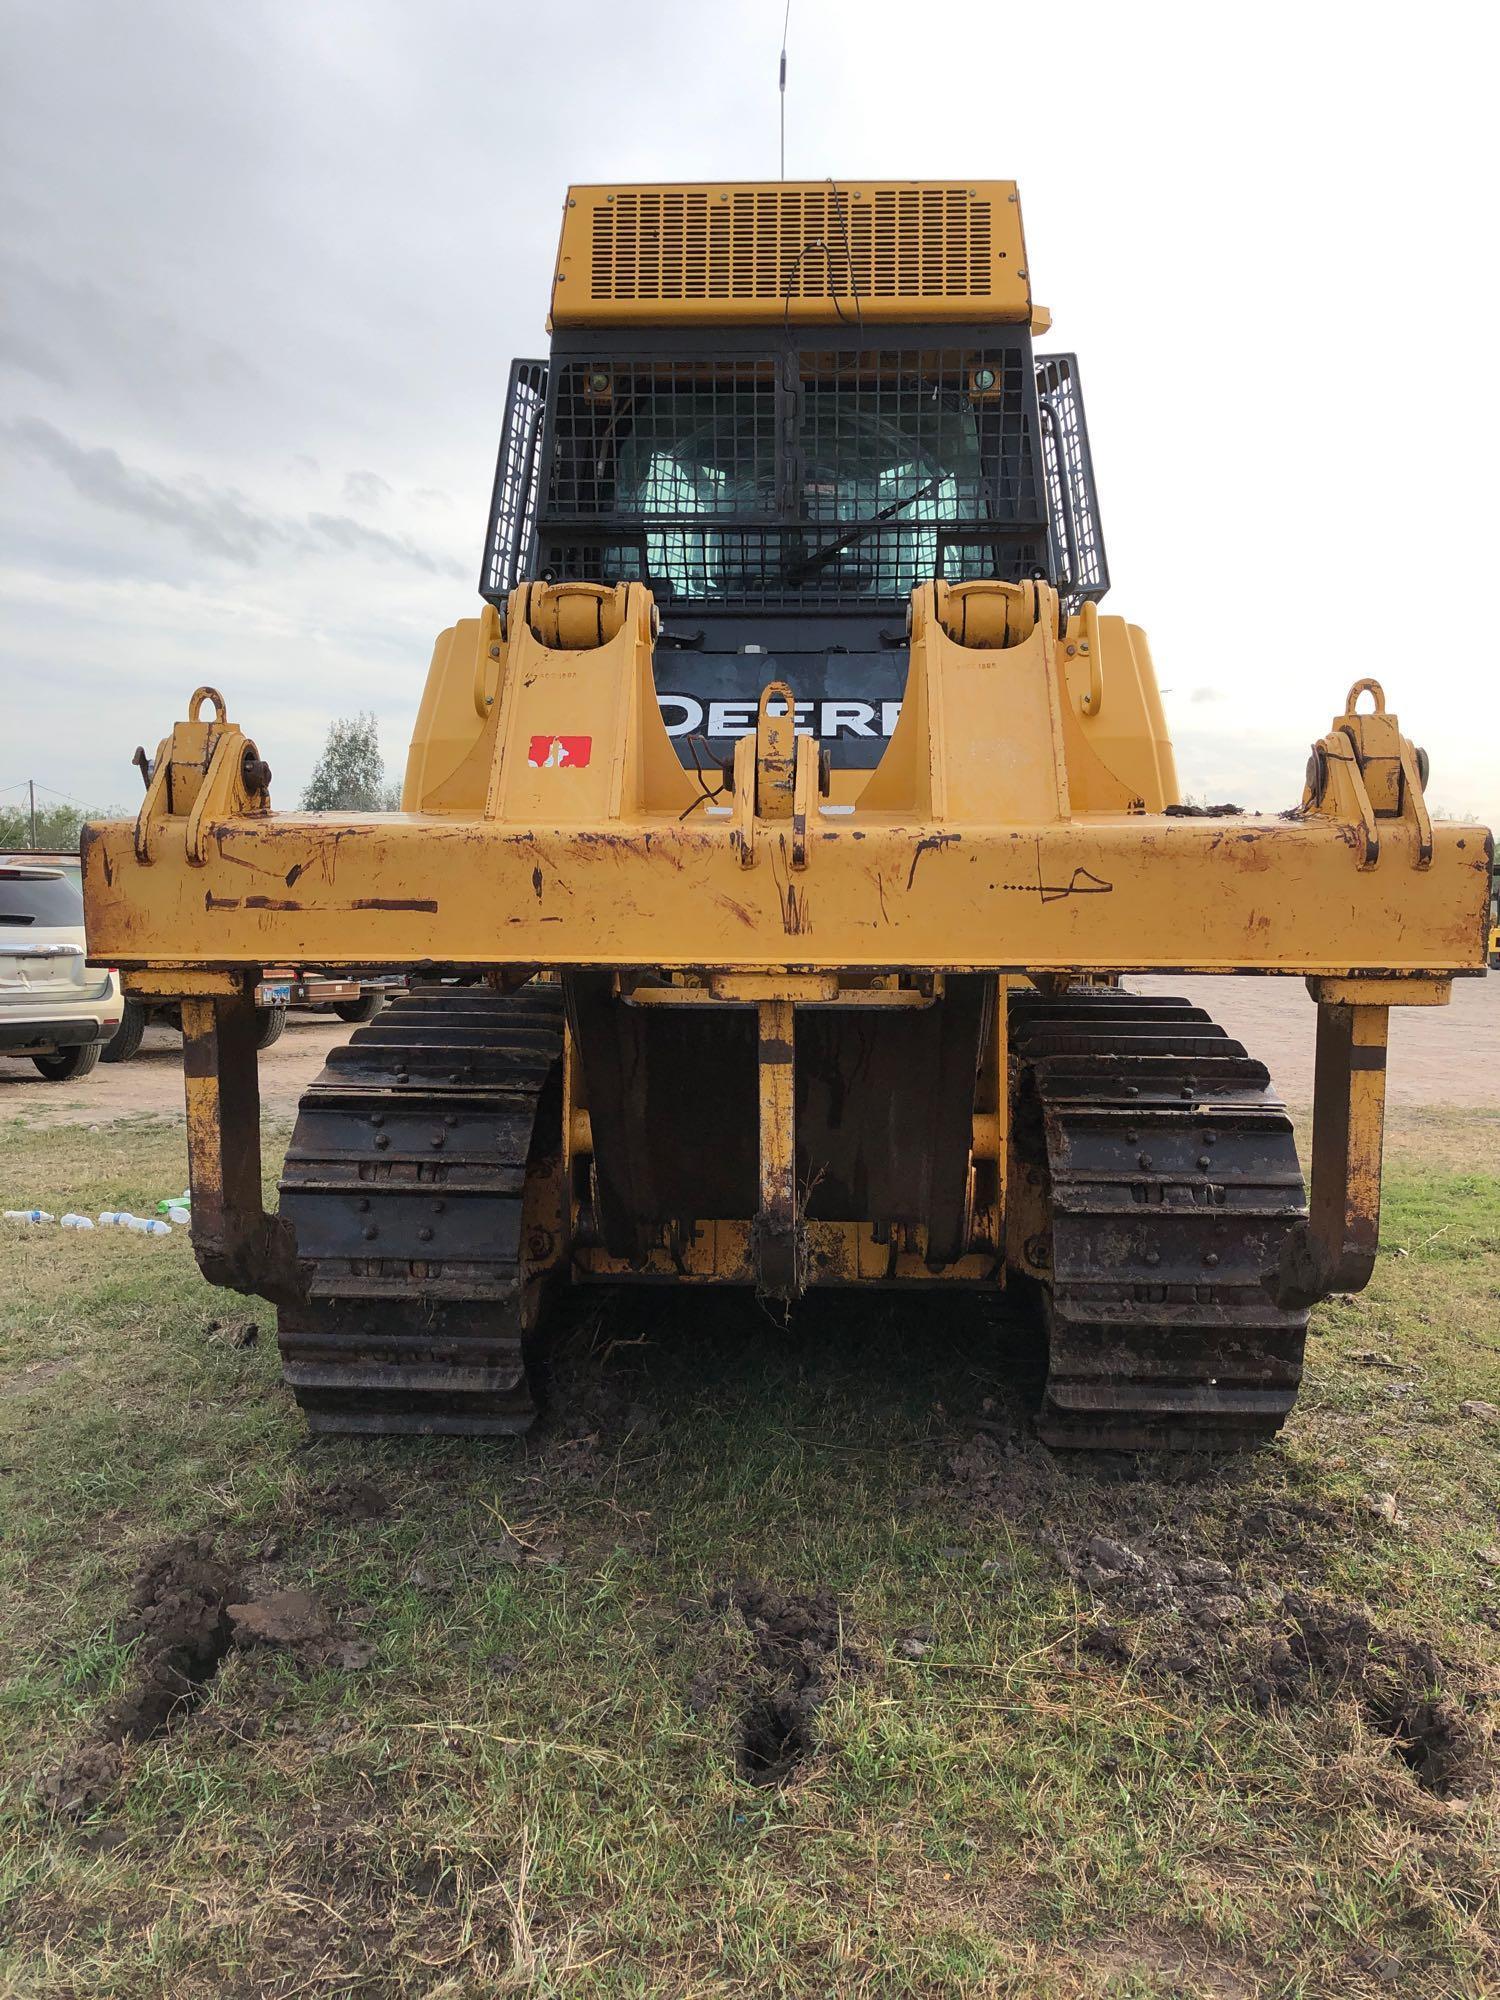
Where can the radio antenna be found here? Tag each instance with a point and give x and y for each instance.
(785, 19)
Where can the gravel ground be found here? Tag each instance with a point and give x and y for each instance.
(1439, 1055)
(150, 1085)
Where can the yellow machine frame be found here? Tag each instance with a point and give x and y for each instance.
(1023, 823)
(1006, 830)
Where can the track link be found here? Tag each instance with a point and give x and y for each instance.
(1173, 1181)
(405, 1182)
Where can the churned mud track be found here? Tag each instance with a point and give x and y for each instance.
(797, 1649)
(179, 1619)
(1180, 1589)
(189, 1606)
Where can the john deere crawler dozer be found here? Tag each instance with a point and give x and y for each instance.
(772, 846)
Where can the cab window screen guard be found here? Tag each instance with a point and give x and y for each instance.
(554, 415)
(836, 476)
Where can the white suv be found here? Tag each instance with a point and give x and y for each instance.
(54, 1006)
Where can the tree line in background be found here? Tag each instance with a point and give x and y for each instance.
(349, 776)
(57, 826)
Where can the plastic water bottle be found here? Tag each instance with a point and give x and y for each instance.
(28, 1215)
(180, 1218)
(115, 1218)
(76, 1222)
(148, 1225)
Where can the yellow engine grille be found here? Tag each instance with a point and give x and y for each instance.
(801, 250)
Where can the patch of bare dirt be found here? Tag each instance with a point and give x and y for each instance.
(189, 1605)
(1181, 1970)
(1199, 1620)
(232, 1332)
(798, 1645)
(178, 1617)
(296, 1622)
(1188, 1588)
(1324, 1650)
(35, 1375)
(352, 1499)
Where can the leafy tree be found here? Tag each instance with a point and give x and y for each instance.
(56, 826)
(350, 774)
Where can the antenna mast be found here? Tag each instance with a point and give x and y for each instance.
(785, 19)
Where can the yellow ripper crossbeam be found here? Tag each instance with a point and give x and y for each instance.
(1134, 893)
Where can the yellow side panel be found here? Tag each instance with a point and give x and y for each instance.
(809, 253)
(581, 738)
(448, 764)
(981, 734)
(1119, 755)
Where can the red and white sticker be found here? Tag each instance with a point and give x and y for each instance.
(552, 753)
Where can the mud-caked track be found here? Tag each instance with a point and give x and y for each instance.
(1168, 1171)
(406, 1183)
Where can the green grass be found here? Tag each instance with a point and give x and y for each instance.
(532, 1786)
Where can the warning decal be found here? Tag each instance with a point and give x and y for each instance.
(551, 753)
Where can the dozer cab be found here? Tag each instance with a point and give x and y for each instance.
(773, 844)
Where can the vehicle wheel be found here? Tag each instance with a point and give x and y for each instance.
(69, 1063)
(365, 1008)
(126, 1040)
(269, 1023)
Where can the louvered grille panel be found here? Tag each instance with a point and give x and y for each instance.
(679, 245)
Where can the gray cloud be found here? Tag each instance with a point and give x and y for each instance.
(366, 489)
(217, 521)
(344, 533)
(75, 330)
(22, 350)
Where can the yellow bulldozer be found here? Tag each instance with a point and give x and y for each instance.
(774, 842)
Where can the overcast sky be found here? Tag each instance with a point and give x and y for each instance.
(265, 265)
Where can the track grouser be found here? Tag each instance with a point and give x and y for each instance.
(775, 840)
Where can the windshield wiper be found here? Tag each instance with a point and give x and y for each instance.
(806, 566)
